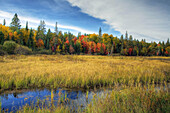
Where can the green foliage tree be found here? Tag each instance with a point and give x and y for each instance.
(1, 38)
(41, 30)
(15, 24)
(47, 39)
(30, 42)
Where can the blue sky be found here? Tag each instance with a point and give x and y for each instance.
(149, 19)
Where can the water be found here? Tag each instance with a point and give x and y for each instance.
(15, 101)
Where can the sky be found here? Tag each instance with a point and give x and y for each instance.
(143, 19)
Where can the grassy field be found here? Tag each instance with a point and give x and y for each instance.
(136, 76)
(17, 72)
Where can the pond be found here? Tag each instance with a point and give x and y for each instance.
(14, 101)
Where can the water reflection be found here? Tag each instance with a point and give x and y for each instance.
(72, 98)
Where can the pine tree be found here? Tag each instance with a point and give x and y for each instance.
(15, 24)
(126, 36)
(130, 41)
(26, 26)
(30, 40)
(42, 26)
(4, 22)
(167, 43)
(56, 29)
(1, 38)
(100, 32)
(41, 31)
(48, 38)
(122, 42)
(38, 33)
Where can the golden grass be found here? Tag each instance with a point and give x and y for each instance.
(79, 71)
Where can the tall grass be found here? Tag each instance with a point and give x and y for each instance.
(124, 99)
(17, 72)
(132, 99)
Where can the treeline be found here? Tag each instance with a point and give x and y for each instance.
(42, 41)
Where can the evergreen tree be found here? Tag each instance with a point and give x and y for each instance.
(126, 36)
(126, 40)
(42, 30)
(48, 38)
(38, 33)
(4, 22)
(56, 29)
(26, 26)
(15, 24)
(167, 43)
(130, 41)
(100, 32)
(30, 42)
(1, 38)
(122, 43)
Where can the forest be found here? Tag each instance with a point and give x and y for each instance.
(15, 39)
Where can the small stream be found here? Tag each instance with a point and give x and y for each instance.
(16, 100)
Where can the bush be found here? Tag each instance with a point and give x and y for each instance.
(2, 51)
(10, 46)
(23, 50)
(44, 51)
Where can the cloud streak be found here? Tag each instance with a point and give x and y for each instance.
(34, 22)
(149, 19)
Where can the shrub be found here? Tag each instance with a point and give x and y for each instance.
(44, 51)
(10, 46)
(23, 50)
(2, 51)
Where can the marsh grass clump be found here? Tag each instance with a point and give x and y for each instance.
(132, 99)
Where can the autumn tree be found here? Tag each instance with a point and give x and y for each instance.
(71, 49)
(40, 43)
(94, 37)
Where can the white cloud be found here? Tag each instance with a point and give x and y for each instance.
(34, 22)
(147, 19)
